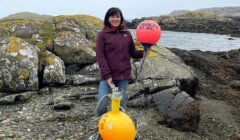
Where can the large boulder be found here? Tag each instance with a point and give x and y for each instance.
(163, 81)
(166, 65)
(179, 111)
(54, 72)
(84, 24)
(75, 40)
(73, 48)
(176, 109)
(19, 65)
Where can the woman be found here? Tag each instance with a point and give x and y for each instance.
(114, 47)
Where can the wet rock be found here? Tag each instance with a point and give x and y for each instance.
(180, 112)
(164, 98)
(213, 64)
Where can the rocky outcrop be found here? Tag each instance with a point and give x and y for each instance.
(61, 41)
(73, 48)
(218, 11)
(62, 53)
(20, 28)
(219, 69)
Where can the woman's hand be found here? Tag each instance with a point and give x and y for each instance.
(148, 51)
(109, 81)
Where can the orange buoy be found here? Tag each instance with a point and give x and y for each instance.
(116, 126)
(148, 32)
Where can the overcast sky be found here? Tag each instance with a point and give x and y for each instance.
(131, 8)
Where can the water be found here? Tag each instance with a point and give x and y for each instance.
(196, 41)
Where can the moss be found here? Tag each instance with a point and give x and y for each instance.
(41, 46)
(31, 41)
(13, 39)
(46, 58)
(7, 26)
(24, 73)
(42, 54)
(49, 42)
(82, 18)
(50, 60)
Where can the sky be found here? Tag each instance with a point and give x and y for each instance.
(131, 8)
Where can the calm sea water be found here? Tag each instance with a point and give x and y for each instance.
(196, 41)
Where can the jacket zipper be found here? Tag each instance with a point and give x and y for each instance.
(120, 53)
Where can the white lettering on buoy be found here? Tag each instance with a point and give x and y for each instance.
(110, 126)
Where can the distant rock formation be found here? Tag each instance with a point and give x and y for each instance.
(218, 11)
(196, 22)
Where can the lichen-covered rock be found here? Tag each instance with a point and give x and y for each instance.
(54, 72)
(84, 24)
(20, 28)
(73, 48)
(19, 65)
(165, 65)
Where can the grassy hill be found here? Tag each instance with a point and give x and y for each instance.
(26, 15)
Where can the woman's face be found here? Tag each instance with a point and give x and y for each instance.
(115, 20)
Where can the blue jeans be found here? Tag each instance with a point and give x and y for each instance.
(105, 89)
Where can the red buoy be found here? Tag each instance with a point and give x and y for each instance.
(148, 32)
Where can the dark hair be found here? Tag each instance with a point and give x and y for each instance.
(112, 11)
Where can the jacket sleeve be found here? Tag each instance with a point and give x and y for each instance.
(101, 57)
(134, 53)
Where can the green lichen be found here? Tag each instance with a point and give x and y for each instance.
(46, 58)
(14, 45)
(24, 73)
(81, 19)
(8, 25)
(50, 60)
(31, 41)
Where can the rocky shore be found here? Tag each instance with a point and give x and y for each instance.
(49, 81)
(195, 22)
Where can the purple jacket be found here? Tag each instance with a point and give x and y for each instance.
(113, 50)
